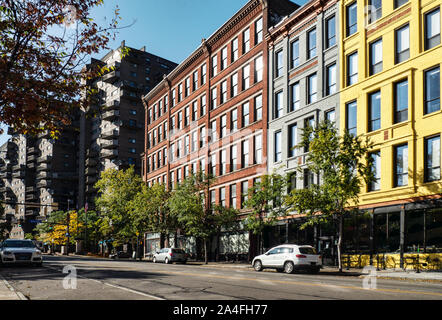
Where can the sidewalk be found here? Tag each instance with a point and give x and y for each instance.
(8, 293)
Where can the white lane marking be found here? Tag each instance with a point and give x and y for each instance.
(117, 286)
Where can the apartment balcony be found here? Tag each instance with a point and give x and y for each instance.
(31, 190)
(44, 184)
(110, 134)
(44, 167)
(33, 150)
(91, 179)
(91, 153)
(6, 190)
(110, 105)
(109, 144)
(31, 165)
(18, 167)
(31, 197)
(19, 174)
(44, 159)
(44, 175)
(31, 158)
(111, 76)
(90, 171)
(6, 175)
(91, 163)
(32, 212)
(110, 115)
(108, 154)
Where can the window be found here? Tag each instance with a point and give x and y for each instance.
(432, 159)
(132, 150)
(180, 120)
(172, 152)
(312, 88)
(214, 65)
(244, 193)
(278, 149)
(180, 92)
(258, 149)
(234, 85)
(203, 106)
(246, 77)
(194, 111)
(331, 79)
(294, 49)
(331, 32)
(203, 165)
(165, 103)
(258, 69)
(195, 80)
(376, 169)
(187, 87)
(311, 44)
(194, 141)
(279, 64)
(292, 140)
(374, 111)
(223, 58)
(223, 167)
(309, 123)
(234, 120)
(202, 136)
(376, 57)
(232, 200)
(352, 19)
(245, 114)
(133, 112)
(203, 74)
(223, 96)
(245, 153)
(352, 68)
(223, 126)
(222, 197)
(401, 165)
(432, 29)
(402, 36)
(233, 158)
(375, 10)
(258, 108)
(213, 96)
(401, 101)
(165, 130)
(330, 116)
(351, 118)
(246, 41)
(213, 164)
(179, 147)
(186, 145)
(432, 90)
(258, 31)
(278, 111)
(234, 49)
(309, 178)
(186, 116)
(160, 133)
(173, 97)
(398, 3)
(213, 131)
(294, 97)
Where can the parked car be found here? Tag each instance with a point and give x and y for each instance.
(20, 252)
(120, 255)
(288, 258)
(169, 255)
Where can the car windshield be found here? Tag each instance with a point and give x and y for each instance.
(307, 250)
(177, 250)
(18, 244)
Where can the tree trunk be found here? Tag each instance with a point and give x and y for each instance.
(340, 242)
(206, 245)
(217, 246)
(175, 239)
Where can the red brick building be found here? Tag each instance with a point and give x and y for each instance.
(210, 113)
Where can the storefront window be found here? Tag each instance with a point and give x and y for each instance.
(433, 235)
(356, 233)
(386, 232)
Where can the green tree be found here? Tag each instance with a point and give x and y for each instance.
(265, 199)
(91, 222)
(117, 189)
(5, 224)
(343, 165)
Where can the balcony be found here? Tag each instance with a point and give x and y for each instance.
(31, 190)
(44, 184)
(44, 167)
(6, 175)
(109, 144)
(44, 175)
(19, 175)
(44, 159)
(110, 115)
(111, 76)
(91, 153)
(108, 154)
(31, 158)
(33, 150)
(31, 197)
(32, 212)
(110, 134)
(91, 179)
(18, 167)
(91, 162)
(111, 105)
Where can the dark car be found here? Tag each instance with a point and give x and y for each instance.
(120, 255)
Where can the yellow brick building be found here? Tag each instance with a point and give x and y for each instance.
(390, 56)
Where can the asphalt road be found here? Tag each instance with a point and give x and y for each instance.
(102, 279)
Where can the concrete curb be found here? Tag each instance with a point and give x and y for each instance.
(7, 292)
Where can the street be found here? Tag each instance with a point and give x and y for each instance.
(105, 279)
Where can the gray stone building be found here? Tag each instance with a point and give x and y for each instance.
(112, 129)
(303, 90)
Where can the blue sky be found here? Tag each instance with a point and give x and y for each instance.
(171, 29)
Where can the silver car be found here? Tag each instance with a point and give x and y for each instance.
(20, 252)
(288, 258)
(169, 255)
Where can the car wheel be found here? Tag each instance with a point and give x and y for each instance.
(166, 261)
(257, 265)
(154, 260)
(289, 267)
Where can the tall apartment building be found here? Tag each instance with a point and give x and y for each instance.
(37, 176)
(210, 113)
(113, 137)
(390, 80)
(303, 90)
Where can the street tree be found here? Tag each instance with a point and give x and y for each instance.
(116, 191)
(5, 224)
(265, 201)
(43, 46)
(343, 164)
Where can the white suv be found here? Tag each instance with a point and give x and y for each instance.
(288, 258)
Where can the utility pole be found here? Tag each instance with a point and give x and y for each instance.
(85, 227)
